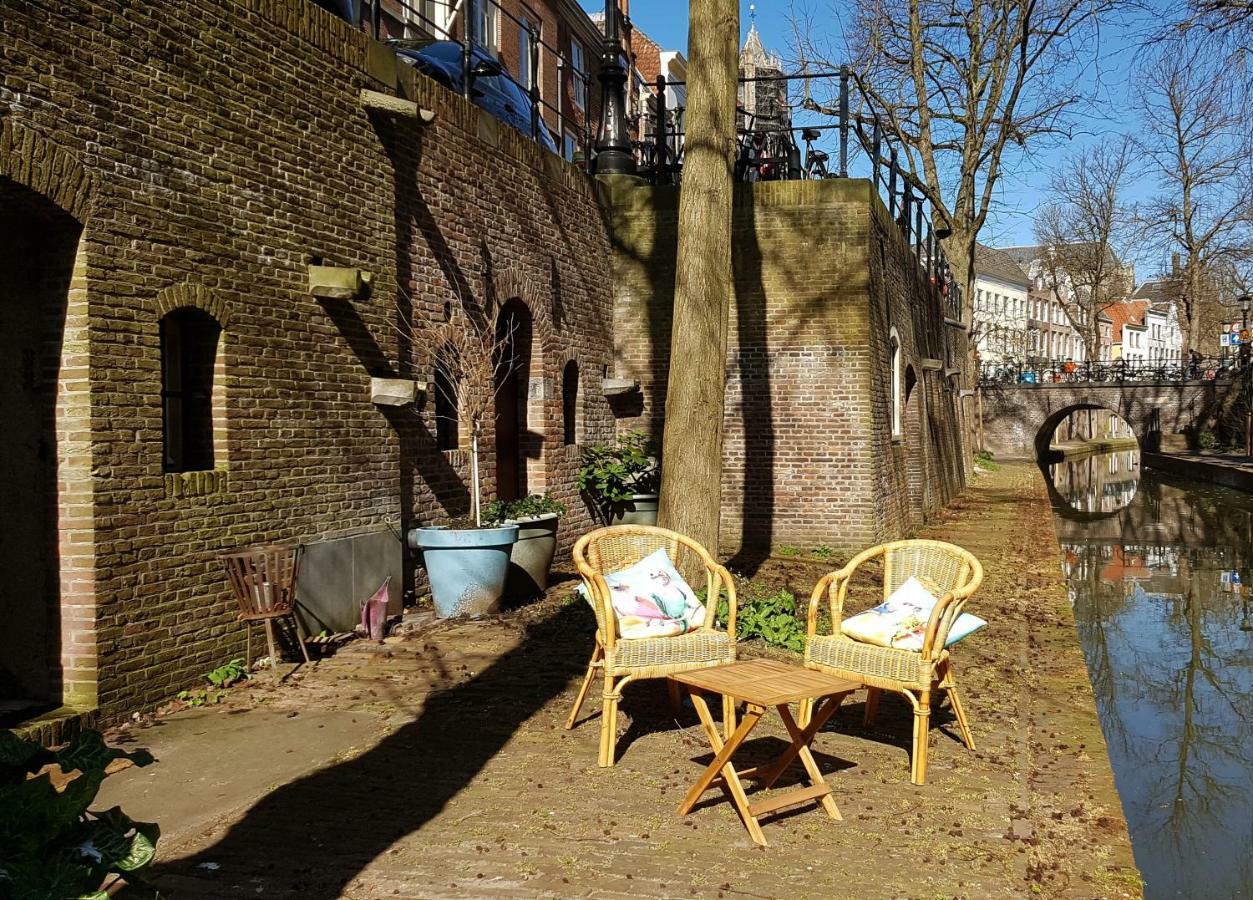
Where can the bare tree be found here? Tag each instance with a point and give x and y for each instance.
(1198, 145)
(1082, 235)
(473, 362)
(691, 459)
(965, 88)
(1226, 26)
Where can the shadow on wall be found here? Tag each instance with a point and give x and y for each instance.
(312, 837)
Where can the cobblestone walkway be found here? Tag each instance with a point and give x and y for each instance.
(458, 780)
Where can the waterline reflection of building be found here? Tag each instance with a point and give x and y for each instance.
(1101, 483)
(1168, 658)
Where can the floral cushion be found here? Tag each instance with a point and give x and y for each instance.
(900, 621)
(651, 599)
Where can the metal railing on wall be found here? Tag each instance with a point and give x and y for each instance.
(768, 151)
(1113, 372)
(434, 20)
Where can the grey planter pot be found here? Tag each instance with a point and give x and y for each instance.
(641, 509)
(532, 556)
(466, 567)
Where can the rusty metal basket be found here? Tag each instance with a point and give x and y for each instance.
(263, 579)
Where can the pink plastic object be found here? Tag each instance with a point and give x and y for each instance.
(374, 612)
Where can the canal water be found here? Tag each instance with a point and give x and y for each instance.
(1160, 571)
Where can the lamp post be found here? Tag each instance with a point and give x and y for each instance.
(613, 142)
(1245, 301)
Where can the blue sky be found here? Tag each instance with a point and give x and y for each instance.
(1023, 188)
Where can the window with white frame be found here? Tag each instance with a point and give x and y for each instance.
(569, 146)
(578, 72)
(483, 18)
(529, 35)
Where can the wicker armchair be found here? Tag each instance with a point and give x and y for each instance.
(622, 660)
(915, 675)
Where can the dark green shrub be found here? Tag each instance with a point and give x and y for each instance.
(614, 473)
(51, 845)
(531, 505)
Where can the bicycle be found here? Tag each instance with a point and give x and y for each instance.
(815, 160)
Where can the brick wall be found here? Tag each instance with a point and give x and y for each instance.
(822, 277)
(211, 152)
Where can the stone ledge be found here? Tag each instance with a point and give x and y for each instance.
(195, 484)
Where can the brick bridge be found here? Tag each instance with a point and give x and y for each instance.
(1019, 419)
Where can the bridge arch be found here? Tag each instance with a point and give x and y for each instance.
(1044, 434)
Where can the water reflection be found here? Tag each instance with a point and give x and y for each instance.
(1098, 482)
(1160, 590)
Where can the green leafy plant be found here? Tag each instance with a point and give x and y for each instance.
(51, 845)
(1206, 439)
(200, 697)
(512, 510)
(769, 615)
(228, 674)
(822, 552)
(787, 550)
(614, 473)
(984, 460)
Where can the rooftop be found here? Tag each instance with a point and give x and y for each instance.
(993, 263)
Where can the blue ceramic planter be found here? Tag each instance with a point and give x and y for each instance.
(466, 567)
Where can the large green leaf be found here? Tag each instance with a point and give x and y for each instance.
(125, 845)
(47, 877)
(88, 752)
(33, 813)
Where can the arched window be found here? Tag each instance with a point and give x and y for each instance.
(189, 347)
(897, 383)
(447, 423)
(570, 402)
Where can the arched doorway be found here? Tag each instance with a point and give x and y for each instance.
(514, 332)
(38, 249)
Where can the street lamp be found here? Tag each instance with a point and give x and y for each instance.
(1245, 301)
(613, 142)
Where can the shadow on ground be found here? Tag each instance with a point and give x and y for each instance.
(348, 814)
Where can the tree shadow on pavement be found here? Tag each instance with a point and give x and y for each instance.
(312, 837)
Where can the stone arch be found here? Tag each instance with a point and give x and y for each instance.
(31, 160)
(1044, 433)
(177, 296)
(45, 203)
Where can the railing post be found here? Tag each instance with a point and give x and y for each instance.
(907, 199)
(876, 144)
(534, 89)
(467, 57)
(844, 121)
(661, 159)
(892, 185)
(930, 254)
(918, 229)
(376, 17)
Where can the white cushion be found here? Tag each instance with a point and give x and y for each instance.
(651, 599)
(900, 621)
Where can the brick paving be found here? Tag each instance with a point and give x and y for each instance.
(461, 780)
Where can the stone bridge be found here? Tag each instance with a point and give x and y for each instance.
(1018, 420)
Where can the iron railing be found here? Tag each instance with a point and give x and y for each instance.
(863, 149)
(424, 20)
(1107, 372)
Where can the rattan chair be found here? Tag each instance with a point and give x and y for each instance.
(914, 675)
(623, 660)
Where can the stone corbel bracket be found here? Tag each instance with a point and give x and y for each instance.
(616, 387)
(396, 391)
(336, 283)
(395, 106)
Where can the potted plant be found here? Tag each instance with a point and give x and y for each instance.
(532, 555)
(621, 479)
(466, 561)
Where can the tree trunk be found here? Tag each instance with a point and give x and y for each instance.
(691, 470)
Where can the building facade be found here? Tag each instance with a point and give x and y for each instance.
(202, 288)
(1002, 308)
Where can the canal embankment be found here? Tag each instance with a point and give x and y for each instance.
(461, 780)
(1082, 449)
(1226, 469)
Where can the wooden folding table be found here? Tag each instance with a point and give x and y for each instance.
(762, 683)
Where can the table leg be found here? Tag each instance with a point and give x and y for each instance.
(807, 758)
(722, 764)
(801, 738)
